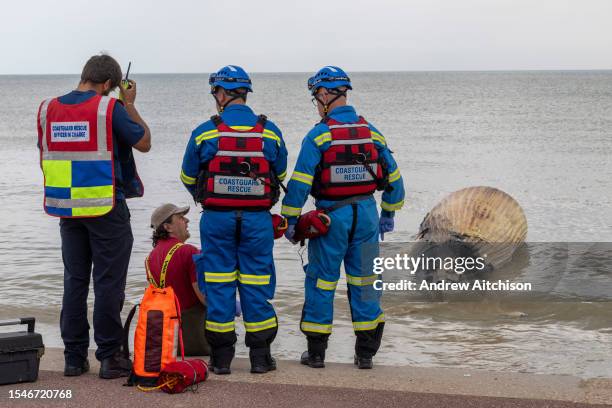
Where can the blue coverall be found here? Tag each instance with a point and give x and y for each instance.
(354, 228)
(236, 245)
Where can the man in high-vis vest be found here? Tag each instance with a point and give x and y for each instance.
(342, 162)
(85, 139)
(233, 166)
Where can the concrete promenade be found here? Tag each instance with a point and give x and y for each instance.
(338, 385)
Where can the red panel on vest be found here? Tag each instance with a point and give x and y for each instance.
(343, 166)
(239, 176)
(74, 128)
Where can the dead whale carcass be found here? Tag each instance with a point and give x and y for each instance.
(472, 222)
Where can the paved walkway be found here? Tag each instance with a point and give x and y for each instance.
(338, 385)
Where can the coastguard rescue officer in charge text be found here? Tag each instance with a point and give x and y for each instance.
(85, 139)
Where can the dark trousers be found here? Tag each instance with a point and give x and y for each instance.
(194, 338)
(105, 242)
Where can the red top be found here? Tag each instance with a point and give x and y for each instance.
(181, 272)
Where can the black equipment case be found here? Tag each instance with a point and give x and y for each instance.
(20, 353)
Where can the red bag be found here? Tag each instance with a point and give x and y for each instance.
(279, 224)
(176, 377)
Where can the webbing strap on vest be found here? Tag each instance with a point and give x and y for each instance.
(164, 268)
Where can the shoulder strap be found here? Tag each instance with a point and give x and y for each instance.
(216, 120)
(262, 119)
(164, 269)
(149, 274)
(126, 331)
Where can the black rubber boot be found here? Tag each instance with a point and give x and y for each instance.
(115, 367)
(313, 360)
(261, 361)
(271, 362)
(363, 362)
(221, 360)
(74, 371)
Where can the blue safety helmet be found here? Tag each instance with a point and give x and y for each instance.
(329, 77)
(230, 77)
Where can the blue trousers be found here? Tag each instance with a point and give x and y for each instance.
(237, 255)
(105, 242)
(352, 238)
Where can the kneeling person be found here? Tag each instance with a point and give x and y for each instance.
(170, 263)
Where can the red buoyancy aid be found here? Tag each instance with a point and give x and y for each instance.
(351, 166)
(239, 175)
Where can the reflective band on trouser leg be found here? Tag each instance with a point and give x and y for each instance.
(361, 280)
(326, 285)
(371, 325)
(259, 326)
(253, 279)
(220, 277)
(220, 327)
(316, 327)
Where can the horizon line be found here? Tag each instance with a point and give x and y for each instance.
(358, 71)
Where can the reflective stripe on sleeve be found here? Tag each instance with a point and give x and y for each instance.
(186, 179)
(268, 134)
(394, 176)
(282, 176)
(303, 177)
(323, 138)
(378, 137)
(392, 207)
(290, 211)
(210, 134)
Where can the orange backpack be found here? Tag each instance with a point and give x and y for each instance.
(158, 328)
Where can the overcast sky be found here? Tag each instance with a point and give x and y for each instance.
(41, 37)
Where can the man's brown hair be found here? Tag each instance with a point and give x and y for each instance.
(101, 68)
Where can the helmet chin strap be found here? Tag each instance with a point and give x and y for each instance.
(337, 94)
(234, 96)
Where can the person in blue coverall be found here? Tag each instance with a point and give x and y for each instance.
(355, 223)
(233, 165)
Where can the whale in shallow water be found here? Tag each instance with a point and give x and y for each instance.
(473, 222)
